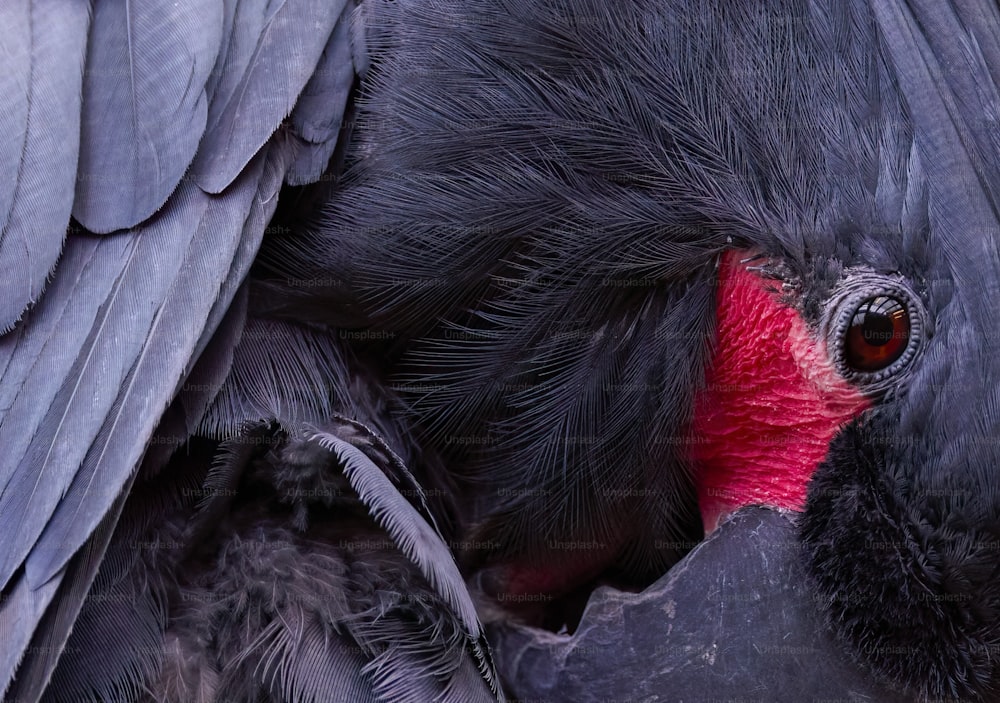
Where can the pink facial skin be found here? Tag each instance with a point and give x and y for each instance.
(773, 401)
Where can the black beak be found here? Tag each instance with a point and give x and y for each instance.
(735, 620)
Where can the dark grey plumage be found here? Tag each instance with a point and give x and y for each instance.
(488, 328)
(563, 177)
(264, 577)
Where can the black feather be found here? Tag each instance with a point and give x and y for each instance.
(535, 212)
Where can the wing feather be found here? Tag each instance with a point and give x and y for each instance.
(144, 106)
(122, 108)
(23, 607)
(43, 47)
(176, 330)
(320, 109)
(267, 63)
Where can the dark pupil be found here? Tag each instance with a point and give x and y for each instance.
(878, 335)
(877, 329)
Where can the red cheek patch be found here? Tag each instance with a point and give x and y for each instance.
(772, 403)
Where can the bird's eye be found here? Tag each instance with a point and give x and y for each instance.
(875, 327)
(878, 334)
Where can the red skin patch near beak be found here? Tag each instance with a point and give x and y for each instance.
(771, 405)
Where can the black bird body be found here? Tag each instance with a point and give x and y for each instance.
(493, 328)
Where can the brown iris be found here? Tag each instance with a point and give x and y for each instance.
(878, 334)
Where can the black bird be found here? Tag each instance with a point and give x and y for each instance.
(578, 281)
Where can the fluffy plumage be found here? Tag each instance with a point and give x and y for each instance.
(539, 205)
(263, 577)
(561, 178)
(523, 251)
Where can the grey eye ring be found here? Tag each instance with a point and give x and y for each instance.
(875, 327)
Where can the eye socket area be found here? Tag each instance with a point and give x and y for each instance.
(875, 326)
(878, 334)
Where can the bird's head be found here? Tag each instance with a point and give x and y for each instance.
(867, 401)
(648, 258)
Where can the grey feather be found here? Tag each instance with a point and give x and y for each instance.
(42, 351)
(313, 667)
(165, 358)
(57, 330)
(144, 106)
(360, 52)
(329, 611)
(151, 262)
(117, 641)
(280, 372)
(43, 48)
(96, 361)
(320, 108)
(295, 625)
(266, 64)
(23, 608)
(214, 351)
(65, 532)
(424, 546)
(49, 643)
(185, 413)
(952, 117)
